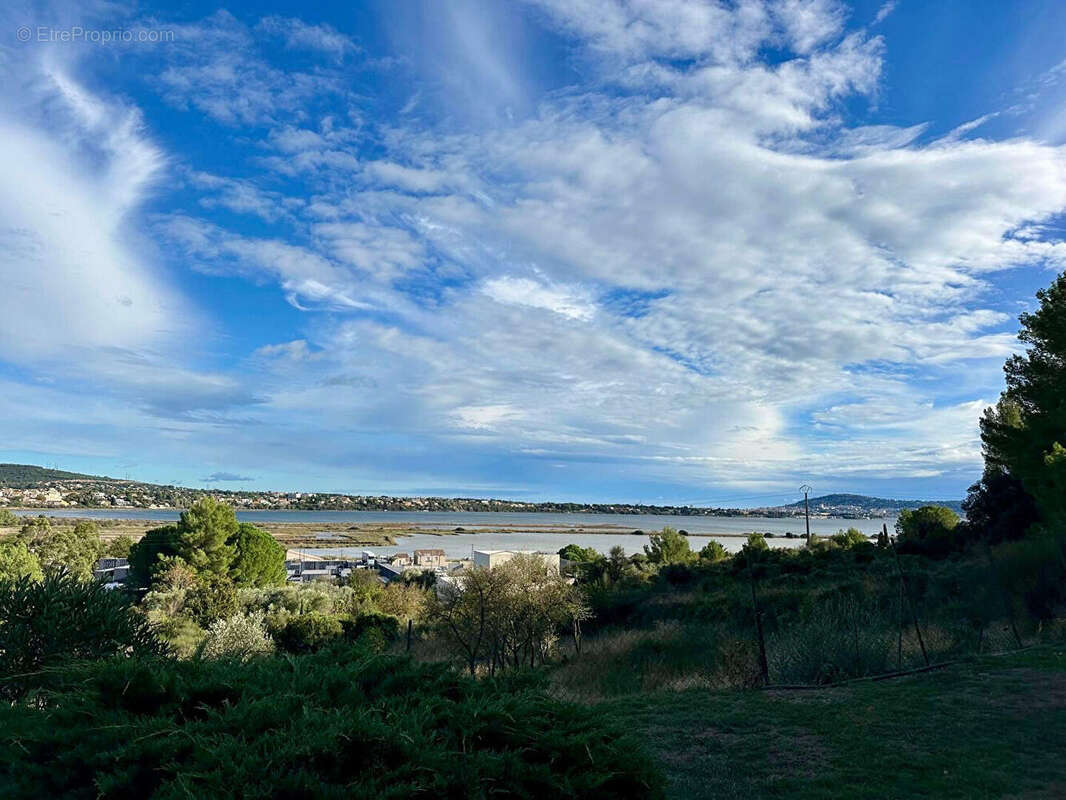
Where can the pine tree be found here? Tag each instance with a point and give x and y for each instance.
(204, 533)
(1025, 433)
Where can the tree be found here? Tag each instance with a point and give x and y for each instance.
(617, 563)
(8, 519)
(259, 560)
(1025, 433)
(204, 532)
(756, 544)
(508, 616)
(713, 551)
(463, 611)
(119, 547)
(146, 557)
(669, 547)
(852, 537)
(403, 600)
(998, 508)
(574, 552)
(73, 549)
(17, 561)
(928, 530)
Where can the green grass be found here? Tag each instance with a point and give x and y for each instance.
(989, 727)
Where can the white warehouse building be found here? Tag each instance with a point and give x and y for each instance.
(493, 558)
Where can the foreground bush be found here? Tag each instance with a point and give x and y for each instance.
(46, 624)
(309, 726)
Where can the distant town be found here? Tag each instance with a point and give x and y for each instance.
(28, 486)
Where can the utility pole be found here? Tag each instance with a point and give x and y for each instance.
(807, 510)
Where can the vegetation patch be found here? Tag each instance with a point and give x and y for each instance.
(344, 723)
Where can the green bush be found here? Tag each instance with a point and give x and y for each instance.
(837, 638)
(929, 530)
(240, 637)
(713, 552)
(387, 625)
(1034, 569)
(306, 633)
(62, 618)
(311, 726)
(17, 561)
(119, 547)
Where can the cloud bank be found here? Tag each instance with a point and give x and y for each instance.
(699, 268)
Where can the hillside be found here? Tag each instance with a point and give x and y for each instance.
(859, 503)
(27, 476)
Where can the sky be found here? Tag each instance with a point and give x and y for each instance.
(664, 251)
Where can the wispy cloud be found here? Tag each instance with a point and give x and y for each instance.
(226, 477)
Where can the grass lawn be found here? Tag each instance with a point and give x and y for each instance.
(988, 727)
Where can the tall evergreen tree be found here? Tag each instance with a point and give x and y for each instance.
(1025, 433)
(204, 534)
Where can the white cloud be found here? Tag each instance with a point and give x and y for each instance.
(564, 301)
(75, 276)
(690, 268)
(883, 12)
(299, 35)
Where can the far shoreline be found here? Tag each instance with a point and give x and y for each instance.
(331, 534)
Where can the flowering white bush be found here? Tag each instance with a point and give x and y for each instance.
(242, 636)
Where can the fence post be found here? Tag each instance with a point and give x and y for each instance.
(910, 601)
(899, 639)
(410, 630)
(764, 667)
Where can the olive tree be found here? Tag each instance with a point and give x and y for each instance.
(508, 616)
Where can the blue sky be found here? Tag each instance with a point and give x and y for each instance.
(636, 250)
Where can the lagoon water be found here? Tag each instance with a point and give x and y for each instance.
(488, 530)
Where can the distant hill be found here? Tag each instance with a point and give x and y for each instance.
(27, 476)
(95, 491)
(862, 503)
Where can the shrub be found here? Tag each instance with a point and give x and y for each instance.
(840, 637)
(713, 551)
(574, 552)
(240, 637)
(59, 619)
(1034, 569)
(306, 633)
(16, 562)
(210, 599)
(852, 537)
(385, 624)
(312, 726)
(928, 530)
(9, 519)
(668, 547)
(119, 547)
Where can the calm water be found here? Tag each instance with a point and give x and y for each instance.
(484, 528)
